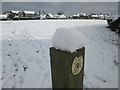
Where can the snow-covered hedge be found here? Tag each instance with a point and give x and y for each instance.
(68, 39)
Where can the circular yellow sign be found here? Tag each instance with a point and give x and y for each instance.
(77, 65)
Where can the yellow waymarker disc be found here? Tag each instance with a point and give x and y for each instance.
(77, 65)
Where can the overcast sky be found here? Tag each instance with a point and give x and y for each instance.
(59, 0)
(69, 8)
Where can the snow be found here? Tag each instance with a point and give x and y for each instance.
(80, 14)
(27, 43)
(68, 39)
(56, 16)
(3, 16)
(83, 14)
(15, 12)
(29, 12)
(94, 16)
(76, 15)
(62, 16)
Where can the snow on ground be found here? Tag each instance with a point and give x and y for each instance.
(26, 60)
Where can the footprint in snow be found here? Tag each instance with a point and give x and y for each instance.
(104, 81)
(12, 32)
(14, 75)
(100, 78)
(16, 70)
(8, 55)
(17, 53)
(37, 51)
(10, 45)
(25, 68)
(15, 65)
(2, 78)
(115, 63)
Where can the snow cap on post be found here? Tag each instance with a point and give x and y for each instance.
(68, 39)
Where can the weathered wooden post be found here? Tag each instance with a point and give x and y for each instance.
(67, 68)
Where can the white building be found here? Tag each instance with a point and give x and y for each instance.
(49, 16)
(83, 14)
(29, 13)
(94, 16)
(107, 17)
(75, 16)
(16, 14)
(62, 16)
(42, 16)
(12, 12)
(3, 16)
(56, 16)
(101, 16)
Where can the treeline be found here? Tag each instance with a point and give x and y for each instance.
(114, 25)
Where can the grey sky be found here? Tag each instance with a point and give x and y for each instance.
(69, 8)
(59, 0)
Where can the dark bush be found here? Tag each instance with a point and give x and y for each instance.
(11, 15)
(114, 24)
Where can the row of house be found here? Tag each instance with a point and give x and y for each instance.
(18, 15)
(91, 16)
(51, 16)
(76, 16)
(23, 15)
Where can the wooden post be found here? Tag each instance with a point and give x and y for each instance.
(67, 68)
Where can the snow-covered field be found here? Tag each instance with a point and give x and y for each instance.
(26, 59)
